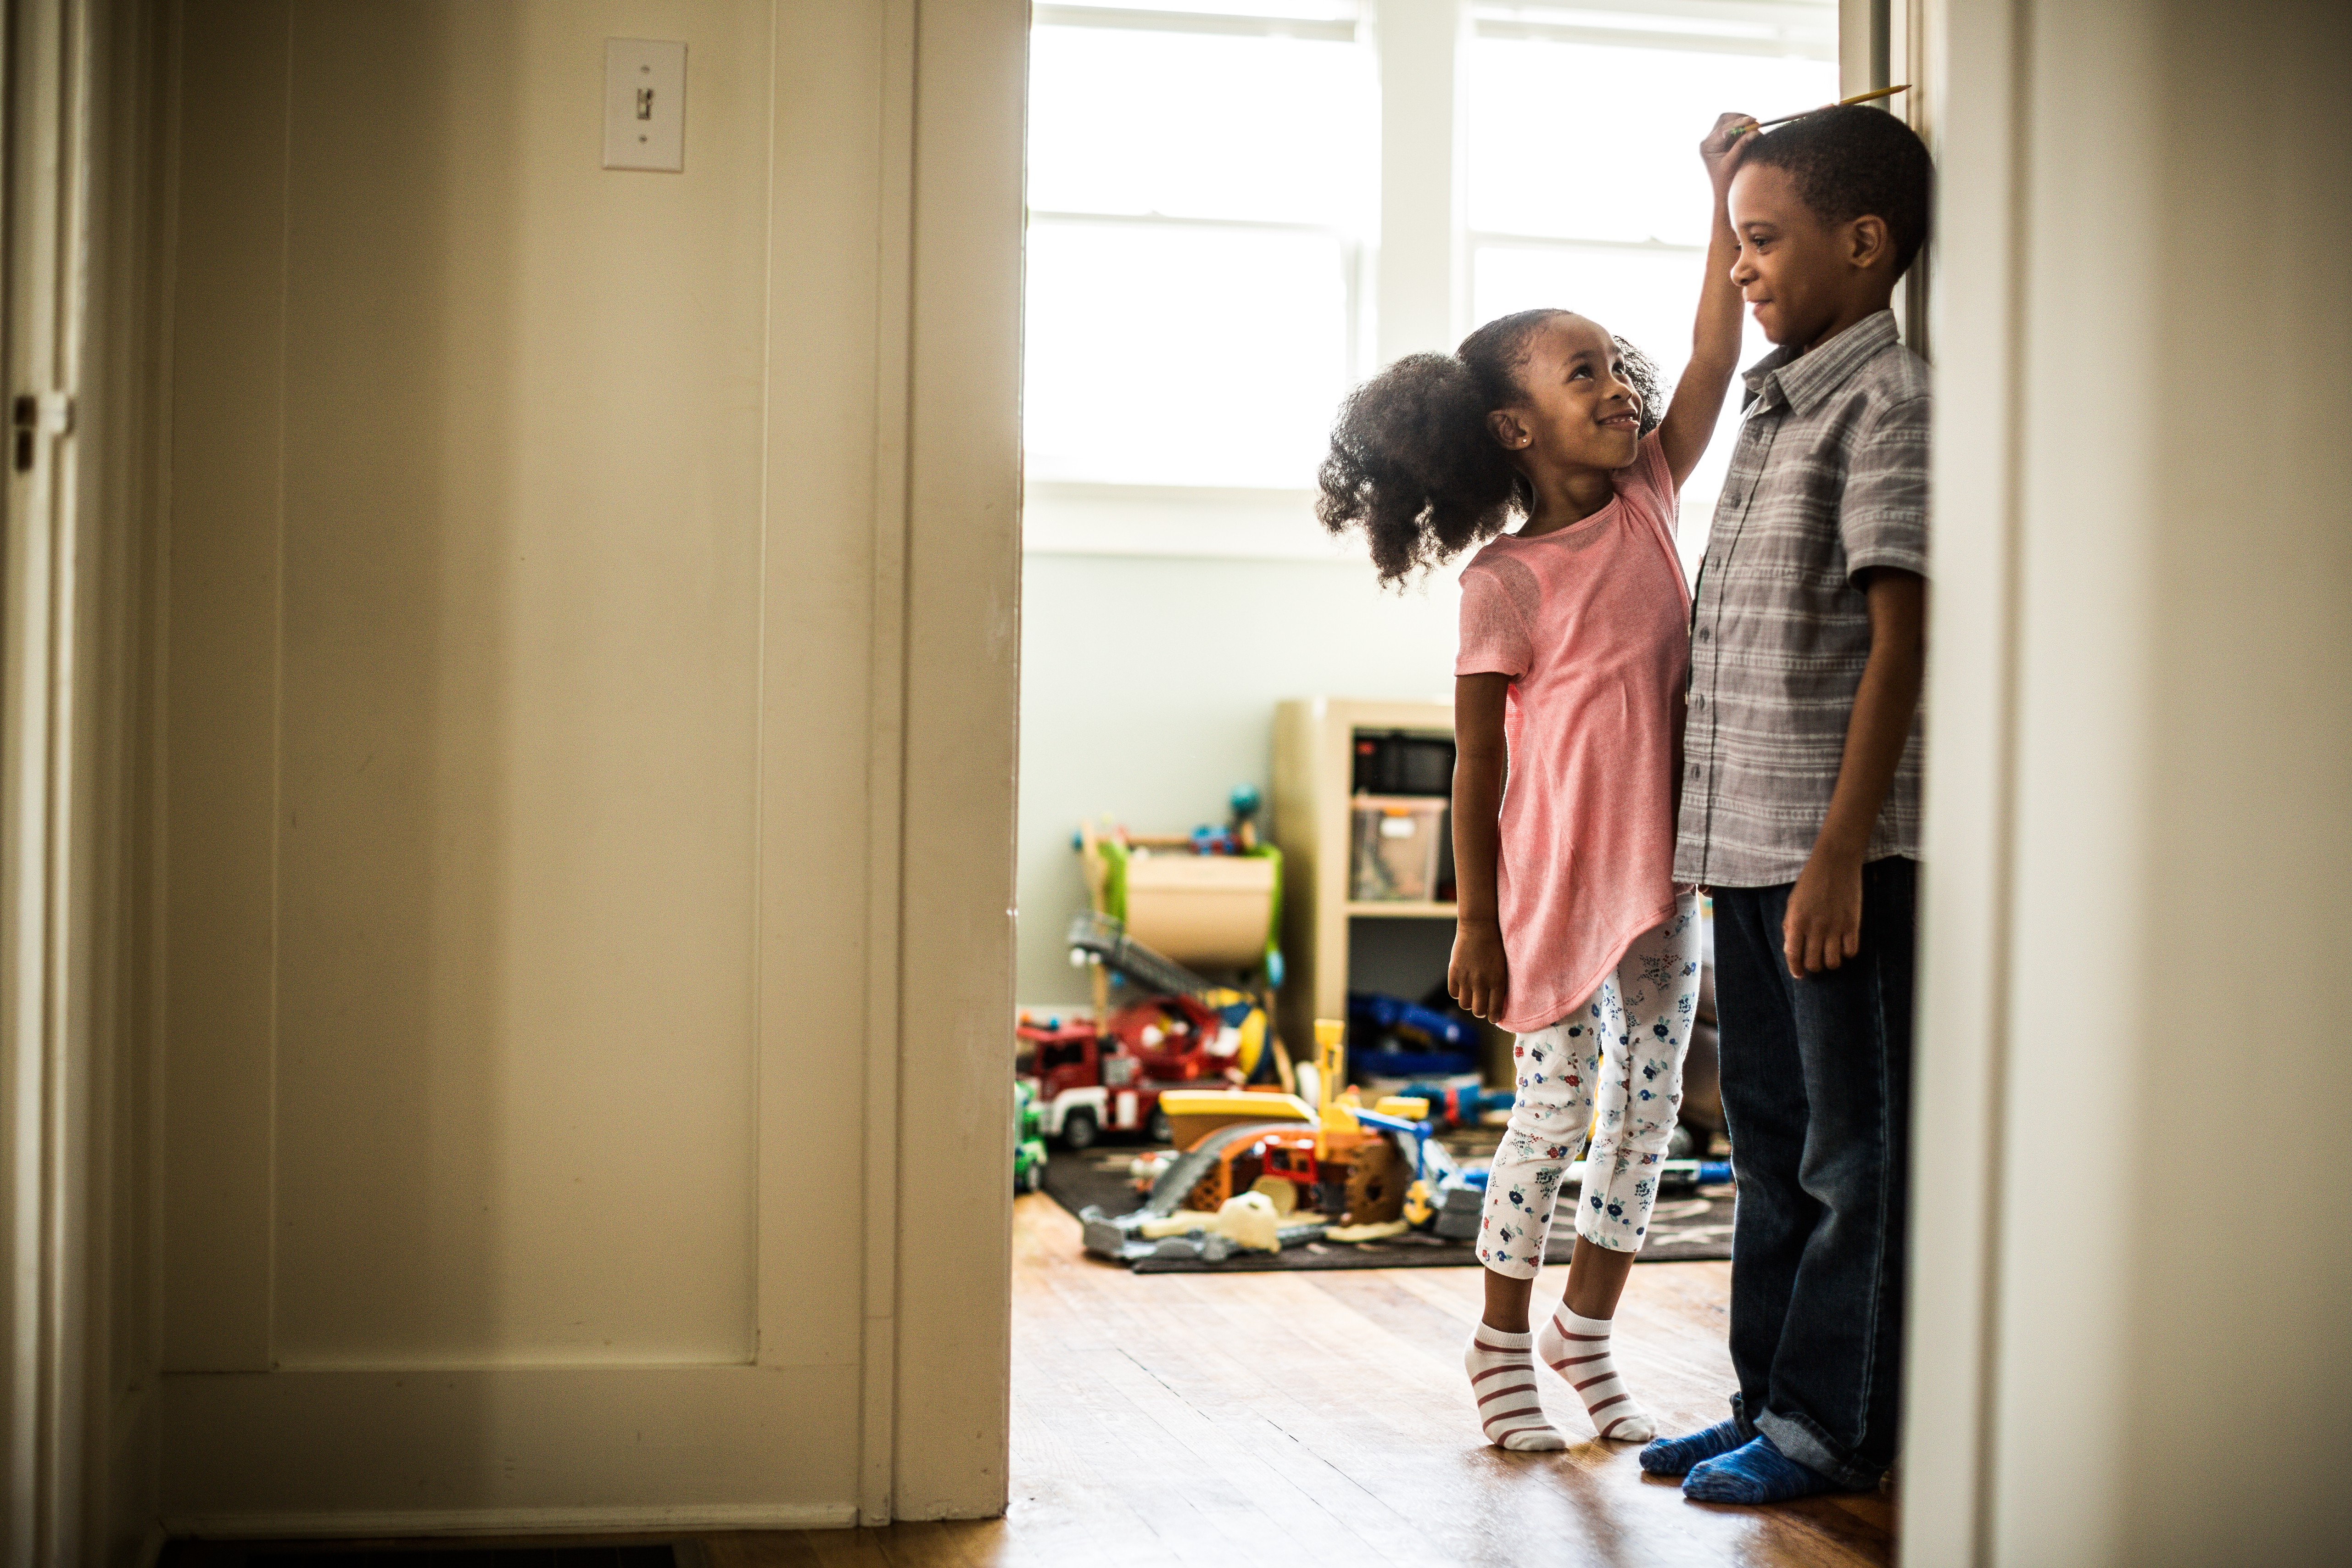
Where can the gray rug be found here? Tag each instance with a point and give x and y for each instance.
(1689, 1227)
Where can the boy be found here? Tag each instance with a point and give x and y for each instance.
(1800, 807)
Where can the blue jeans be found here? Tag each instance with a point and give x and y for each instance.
(1817, 1096)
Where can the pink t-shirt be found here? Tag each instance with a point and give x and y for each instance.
(1592, 624)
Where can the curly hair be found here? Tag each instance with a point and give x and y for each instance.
(1851, 161)
(1413, 463)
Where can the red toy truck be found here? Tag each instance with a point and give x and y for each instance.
(1087, 1084)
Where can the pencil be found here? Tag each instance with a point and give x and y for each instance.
(1857, 98)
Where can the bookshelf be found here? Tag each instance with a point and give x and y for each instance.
(1314, 768)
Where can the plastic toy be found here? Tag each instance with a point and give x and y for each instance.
(1236, 1022)
(1204, 900)
(1354, 1165)
(1028, 1146)
(1092, 1079)
(1249, 1220)
(1285, 1154)
(1216, 900)
(1397, 1039)
(1121, 1236)
(1192, 1113)
(1460, 1106)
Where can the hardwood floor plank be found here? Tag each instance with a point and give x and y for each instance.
(764, 1549)
(847, 1548)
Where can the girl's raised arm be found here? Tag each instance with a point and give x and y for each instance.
(1715, 340)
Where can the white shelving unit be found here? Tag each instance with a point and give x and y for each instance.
(1314, 768)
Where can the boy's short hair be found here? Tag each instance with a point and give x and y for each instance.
(1849, 161)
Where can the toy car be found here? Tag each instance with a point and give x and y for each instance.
(1028, 1146)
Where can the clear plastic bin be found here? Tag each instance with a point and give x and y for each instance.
(1398, 839)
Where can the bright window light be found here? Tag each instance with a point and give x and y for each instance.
(1285, 10)
(1199, 125)
(1183, 355)
(1197, 202)
(1599, 141)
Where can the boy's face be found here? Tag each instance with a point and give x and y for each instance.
(1798, 275)
(1577, 407)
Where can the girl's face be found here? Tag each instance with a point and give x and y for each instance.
(1577, 410)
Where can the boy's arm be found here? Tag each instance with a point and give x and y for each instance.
(1823, 926)
(1478, 977)
(1690, 417)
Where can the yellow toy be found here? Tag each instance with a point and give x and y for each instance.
(1330, 1066)
(1193, 1114)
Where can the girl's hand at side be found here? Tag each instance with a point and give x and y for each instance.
(1479, 977)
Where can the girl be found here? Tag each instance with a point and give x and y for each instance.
(1574, 656)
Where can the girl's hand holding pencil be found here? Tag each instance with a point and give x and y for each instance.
(1724, 147)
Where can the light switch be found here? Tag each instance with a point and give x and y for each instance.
(645, 104)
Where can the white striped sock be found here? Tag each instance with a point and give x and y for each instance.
(1577, 1349)
(1503, 1382)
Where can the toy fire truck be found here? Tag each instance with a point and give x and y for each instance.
(1091, 1082)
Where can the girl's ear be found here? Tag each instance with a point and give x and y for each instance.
(1508, 432)
(1868, 241)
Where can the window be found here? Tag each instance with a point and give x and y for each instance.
(1205, 186)
(1198, 189)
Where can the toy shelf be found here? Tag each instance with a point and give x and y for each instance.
(1314, 772)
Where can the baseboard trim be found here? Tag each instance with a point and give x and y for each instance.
(513, 1520)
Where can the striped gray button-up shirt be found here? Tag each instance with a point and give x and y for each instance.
(1828, 480)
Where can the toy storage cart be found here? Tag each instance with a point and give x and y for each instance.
(1217, 913)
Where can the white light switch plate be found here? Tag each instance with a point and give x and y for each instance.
(645, 104)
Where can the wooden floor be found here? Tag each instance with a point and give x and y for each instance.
(1232, 1421)
(1304, 1419)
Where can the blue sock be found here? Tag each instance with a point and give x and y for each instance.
(1676, 1456)
(1753, 1473)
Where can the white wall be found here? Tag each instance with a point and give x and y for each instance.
(1148, 686)
(2132, 1260)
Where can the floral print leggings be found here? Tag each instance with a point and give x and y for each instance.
(1624, 1048)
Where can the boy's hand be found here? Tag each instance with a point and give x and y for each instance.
(1823, 927)
(1726, 144)
(1478, 977)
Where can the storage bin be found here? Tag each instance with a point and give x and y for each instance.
(1211, 912)
(1397, 842)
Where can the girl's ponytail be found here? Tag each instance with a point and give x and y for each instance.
(1413, 465)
